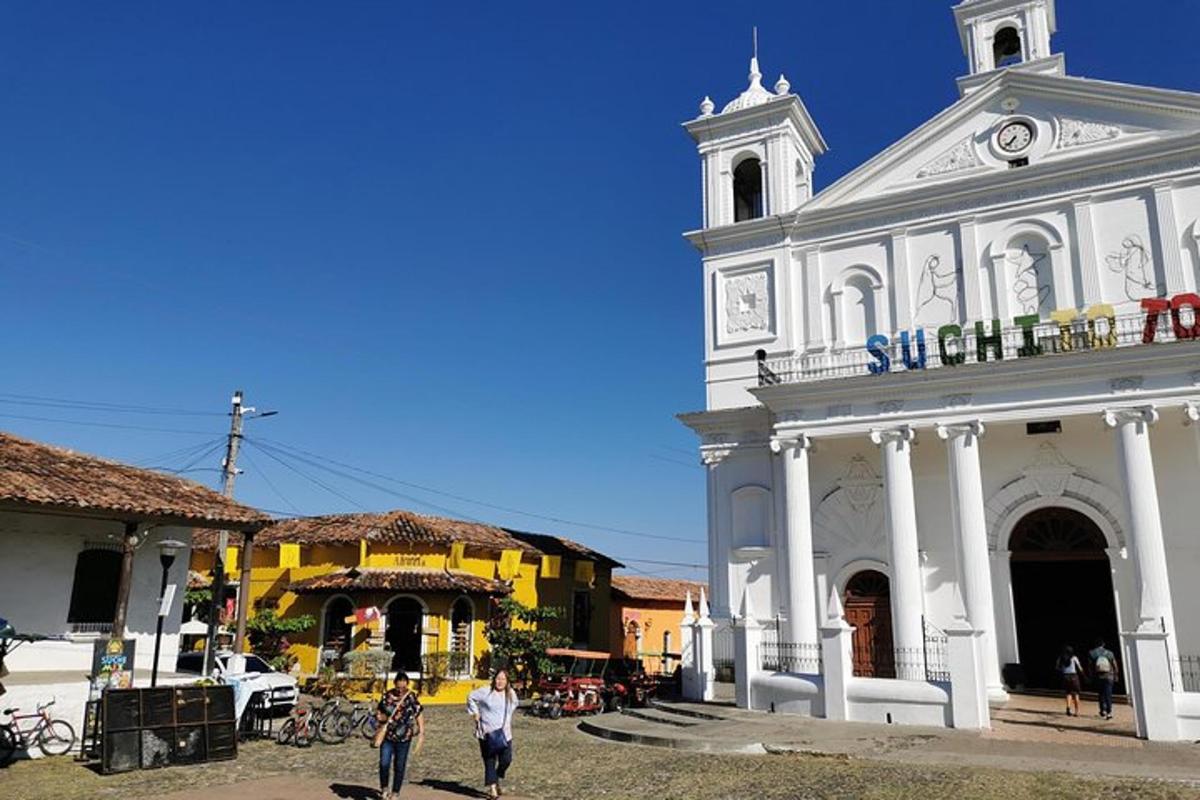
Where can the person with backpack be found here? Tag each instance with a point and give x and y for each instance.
(1104, 664)
(492, 708)
(1072, 671)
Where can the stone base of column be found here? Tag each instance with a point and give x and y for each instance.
(1148, 678)
(997, 695)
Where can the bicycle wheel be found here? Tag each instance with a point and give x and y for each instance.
(8, 744)
(304, 735)
(286, 731)
(333, 729)
(56, 737)
(369, 725)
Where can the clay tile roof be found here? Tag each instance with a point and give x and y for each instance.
(630, 587)
(33, 474)
(557, 546)
(399, 580)
(198, 580)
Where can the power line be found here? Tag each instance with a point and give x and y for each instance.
(105, 424)
(310, 478)
(97, 405)
(159, 461)
(262, 474)
(197, 459)
(557, 520)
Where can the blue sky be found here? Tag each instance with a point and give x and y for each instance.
(443, 240)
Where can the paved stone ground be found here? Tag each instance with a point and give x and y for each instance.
(554, 760)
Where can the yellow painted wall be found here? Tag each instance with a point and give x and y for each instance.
(652, 618)
(275, 567)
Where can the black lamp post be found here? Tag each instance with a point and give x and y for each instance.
(167, 549)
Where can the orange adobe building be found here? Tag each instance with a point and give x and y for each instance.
(645, 614)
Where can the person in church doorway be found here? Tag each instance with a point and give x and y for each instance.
(1104, 664)
(1072, 673)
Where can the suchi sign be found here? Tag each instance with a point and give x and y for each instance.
(1100, 333)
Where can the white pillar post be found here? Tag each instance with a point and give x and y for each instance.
(838, 660)
(706, 672)
(796, 549)
(968, 681)
(901, 519)
(1006, 618)
(718, 555)
(1148, 677)
(1145, 522)
(747, 646)
(970, 543)
(687, 652)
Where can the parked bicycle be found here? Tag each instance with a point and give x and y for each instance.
(343, 724)
(298, 728)
(54, 737)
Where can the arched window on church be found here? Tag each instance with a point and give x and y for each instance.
(747, 190)
(1006, 47)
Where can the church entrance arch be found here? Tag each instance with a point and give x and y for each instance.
(1062, 591)
(868, 607)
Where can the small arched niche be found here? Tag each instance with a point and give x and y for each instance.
(751, 517)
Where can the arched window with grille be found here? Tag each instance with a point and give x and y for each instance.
(94, 589)
(462, 616)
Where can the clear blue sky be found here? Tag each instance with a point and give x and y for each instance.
(442, 239)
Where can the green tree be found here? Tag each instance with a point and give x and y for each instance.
(268, 634)
(527, 644)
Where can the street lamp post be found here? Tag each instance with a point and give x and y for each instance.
(167, 549)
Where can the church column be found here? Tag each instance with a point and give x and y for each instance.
(1168, 240)
(901, 515)
(1136, 467)
(970, 542)
(718, 561)
(1085, 239)
(971, 285)
(1006, 618)
(796, 543)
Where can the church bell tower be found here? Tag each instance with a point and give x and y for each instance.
(1006, 34)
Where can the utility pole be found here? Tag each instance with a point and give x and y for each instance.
(229, 474)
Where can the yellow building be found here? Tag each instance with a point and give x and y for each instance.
(645, 619)
(434, 581)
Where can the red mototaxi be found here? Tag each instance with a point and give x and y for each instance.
(580, 687)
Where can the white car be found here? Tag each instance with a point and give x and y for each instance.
(280, 691)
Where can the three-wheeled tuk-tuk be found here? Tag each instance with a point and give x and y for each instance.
(576, 686)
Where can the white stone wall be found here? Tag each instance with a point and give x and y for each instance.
(36, 573)
(856, 538)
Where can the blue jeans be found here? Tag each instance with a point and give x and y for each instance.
(393, 754)
(1105, 686)
(496, 764)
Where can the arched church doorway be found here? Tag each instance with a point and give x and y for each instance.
(405, 618)
(868, 607)
(1062, 591)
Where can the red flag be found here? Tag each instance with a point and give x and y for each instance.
(364, 615)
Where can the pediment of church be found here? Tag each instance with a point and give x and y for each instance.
(1042, 118)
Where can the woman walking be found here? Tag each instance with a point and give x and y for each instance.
(1071, 670)
(492, 708)
(400, 721)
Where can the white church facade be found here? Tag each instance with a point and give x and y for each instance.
(955, 396)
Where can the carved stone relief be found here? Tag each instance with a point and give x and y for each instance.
(1049, 471)
(748, 303)
(1076, 132)
(961, 156)
(852, 513)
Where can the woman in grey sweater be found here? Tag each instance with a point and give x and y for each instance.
(492, 708)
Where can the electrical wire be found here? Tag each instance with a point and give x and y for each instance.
(262, 474)
(310, 478)
(558, 520)
(104, 424)
(196, 460)
(97, 405)
(161, 460)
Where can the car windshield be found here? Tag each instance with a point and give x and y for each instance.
(190, 662)
(256, 664)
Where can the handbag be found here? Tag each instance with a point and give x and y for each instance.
(495, 742)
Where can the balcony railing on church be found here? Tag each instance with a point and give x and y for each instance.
(915, 352)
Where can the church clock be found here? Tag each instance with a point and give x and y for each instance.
(1015, 137)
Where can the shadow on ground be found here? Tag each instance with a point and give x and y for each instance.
(451, 787)
(353, 791)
